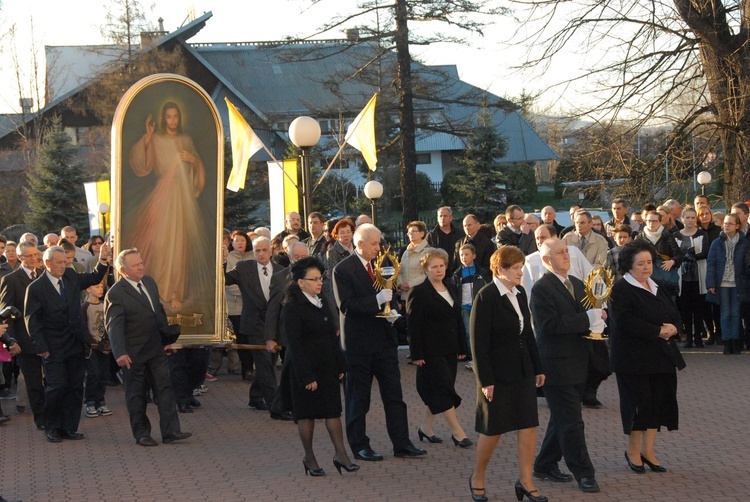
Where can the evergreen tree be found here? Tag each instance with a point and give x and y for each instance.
(480, 187)
(55, 194)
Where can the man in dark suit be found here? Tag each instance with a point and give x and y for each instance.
(279, 283)
(55, 323)
(254, 279)
(561, 322)
(136, 324)
(370, 350)
(13, 293)
(516, 232)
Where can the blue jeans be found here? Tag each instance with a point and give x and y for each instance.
(466, 316)
(730, 313)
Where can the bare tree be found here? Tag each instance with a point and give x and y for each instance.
(648, 54)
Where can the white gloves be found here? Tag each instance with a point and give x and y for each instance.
(384, 296)
(596, 323)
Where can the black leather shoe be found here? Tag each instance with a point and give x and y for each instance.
(654, 467)
(194, 403)
(52, 436)
(177, 436)
(410, 452)
(635, 468)
(284, 415)
(258, 405)
(588, 484)
(71, 435)
(431, 439)
(554, 474)
(368, 455)
(464, 443)
(593, 403)
(146, 441)
(184, 408)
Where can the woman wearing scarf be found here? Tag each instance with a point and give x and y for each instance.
(726, 280)
(668, 254)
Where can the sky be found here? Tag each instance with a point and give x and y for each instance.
(484, 61)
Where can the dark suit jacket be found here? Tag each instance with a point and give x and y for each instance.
(635, 320)
(133, 327)
(361, 331)
(13, 292)
(561, 323)
(525, 242)
(484, 246)
(254, 303)
(501, 351)
(56, 325)
(435, 328)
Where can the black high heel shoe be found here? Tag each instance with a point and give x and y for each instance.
(475, 496)
(635, 468)
(431, 439)
(464, 443)
(348, 468)
(521, 491)
(313, 472)
(653, 466)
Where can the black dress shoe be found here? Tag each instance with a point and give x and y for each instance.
(593, 403)
(464, 443)
(410, 452)
(554, 474)
(177, 436)
(654, 467)
(635, 468)
(284, 415)
(368, 455)
(52, 436)
(258, 405)
(588, 484)
(71, 435)
(431, 439)
(184, 408)
(194, 403)
(146, 441)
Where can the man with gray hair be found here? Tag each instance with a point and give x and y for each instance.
(51, 239)
(55, 323)
(675, 211)
(370, 349)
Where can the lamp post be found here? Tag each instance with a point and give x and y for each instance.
(305, 134)
(373, 191)
(704, 178)
(104, 211)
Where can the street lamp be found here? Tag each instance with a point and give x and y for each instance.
(104, 211)
(373, 191)
(305, 134)
(704, 178)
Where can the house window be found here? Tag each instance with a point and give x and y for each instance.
(424, 158)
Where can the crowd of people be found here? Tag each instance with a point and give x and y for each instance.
(506, 298)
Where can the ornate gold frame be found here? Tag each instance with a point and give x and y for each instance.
(218, 333)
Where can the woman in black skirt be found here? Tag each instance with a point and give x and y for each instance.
(437, 341)
(508, 371)
(314, 363)
(644, 354)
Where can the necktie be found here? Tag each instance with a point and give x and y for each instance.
(583, 242)
(144, 295)
(62, 290)
(369, 271)
(569, 285)
(33, 275)
(265, 271)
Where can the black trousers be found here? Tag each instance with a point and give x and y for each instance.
(187, 370)
(31, 367)
(598, 369)
(361, 369)
(691, 310)
(153, 373)
(264, 382)
(64, 392)
(246, 358)
(565, 432)
(97, 370)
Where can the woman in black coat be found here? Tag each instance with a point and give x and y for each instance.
(644, 354)
(508, 371)
(437, 341)
(315, 364)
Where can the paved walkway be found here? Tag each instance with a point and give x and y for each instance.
(239, 454)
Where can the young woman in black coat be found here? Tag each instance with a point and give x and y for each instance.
(315, 363)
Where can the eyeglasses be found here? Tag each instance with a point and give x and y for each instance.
(653, 221)
(314, 279)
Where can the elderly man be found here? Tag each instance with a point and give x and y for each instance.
(560, 323)
(81, 255)
(58, 331)
(254, 279)
(534, 269)
(445, 235)
(548, 218)
(675, 211)
(140, 338)
(483, 245)
(370, 350)
(13, 293)
(516, 232)
(293, 226)
(50, 239)
(362, 219)
(591, 244)
(28, 236)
